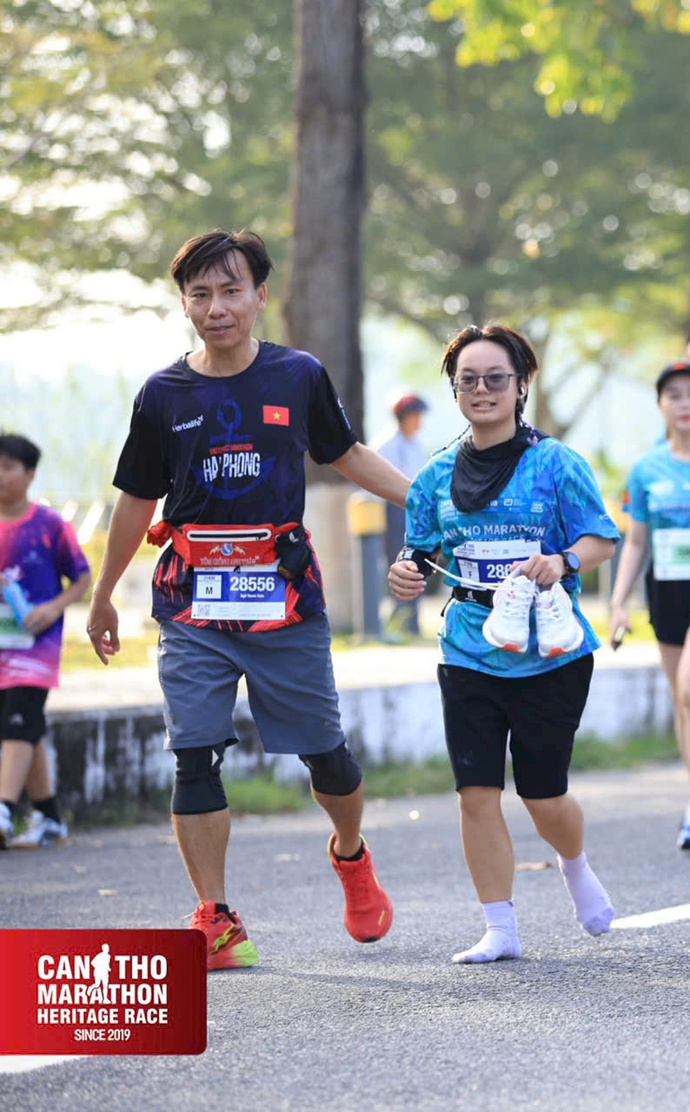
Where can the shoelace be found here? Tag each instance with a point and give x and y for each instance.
(552, 609)
(516, 602)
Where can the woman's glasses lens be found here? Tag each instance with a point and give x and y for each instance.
(495, 383)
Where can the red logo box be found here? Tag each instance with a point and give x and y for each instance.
(103, 992)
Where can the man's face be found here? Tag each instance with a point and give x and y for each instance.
(223, 304)
(14, 481)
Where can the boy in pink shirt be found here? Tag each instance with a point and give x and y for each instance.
(37, 549)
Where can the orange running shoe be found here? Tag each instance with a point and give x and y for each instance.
(368, 910)
(227, 944)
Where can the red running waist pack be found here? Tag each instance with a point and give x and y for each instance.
(221, 546)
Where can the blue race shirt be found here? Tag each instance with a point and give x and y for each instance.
(551, 500)
(658, 491)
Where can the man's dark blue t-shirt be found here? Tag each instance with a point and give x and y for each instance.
(230, 451)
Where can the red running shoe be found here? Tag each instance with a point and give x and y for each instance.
(227, 944)
(368, 910)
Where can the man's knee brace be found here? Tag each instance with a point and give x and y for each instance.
(333, 773)
(198, 788)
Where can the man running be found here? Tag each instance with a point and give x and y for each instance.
(221, 434)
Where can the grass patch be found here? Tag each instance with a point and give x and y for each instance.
(123, 812)
(392, 780)
(136, 652)
(261, 795)
(589, 753)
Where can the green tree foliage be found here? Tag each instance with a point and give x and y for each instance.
(588, 48)
(481, 204)
(128, 125)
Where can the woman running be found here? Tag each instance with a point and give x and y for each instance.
(658, 490)
(517, 515)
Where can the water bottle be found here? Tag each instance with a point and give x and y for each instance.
(18, 602)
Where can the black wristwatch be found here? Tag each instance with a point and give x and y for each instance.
(571, 562)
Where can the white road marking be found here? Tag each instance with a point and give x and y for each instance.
(652, 918)
(20, 1063)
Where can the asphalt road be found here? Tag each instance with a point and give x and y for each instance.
(324, 1024)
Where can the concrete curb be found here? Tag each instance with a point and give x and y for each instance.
(109, 755)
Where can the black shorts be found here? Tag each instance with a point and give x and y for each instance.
(21, 714)
(540, 712)
(669, 608)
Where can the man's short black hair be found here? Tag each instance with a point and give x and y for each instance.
(216, 248)
(21, 449)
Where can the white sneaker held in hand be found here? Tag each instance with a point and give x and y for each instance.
(558, 630)
(507, 626)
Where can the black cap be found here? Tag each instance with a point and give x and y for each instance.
(679, 368)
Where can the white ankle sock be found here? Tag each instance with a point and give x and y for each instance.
(593, 908)
(501, 938)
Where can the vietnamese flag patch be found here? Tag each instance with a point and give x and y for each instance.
(276, 415)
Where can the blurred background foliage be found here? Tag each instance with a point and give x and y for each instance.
(526, 160)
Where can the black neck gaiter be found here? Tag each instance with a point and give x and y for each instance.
(479, 476)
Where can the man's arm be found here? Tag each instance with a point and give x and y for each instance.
(369, 470)
(131, 518)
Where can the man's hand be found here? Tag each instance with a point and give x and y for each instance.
(101, 627)
(44, 615)
(405, 582)
(544, 570)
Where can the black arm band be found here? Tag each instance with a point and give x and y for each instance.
(418, 557)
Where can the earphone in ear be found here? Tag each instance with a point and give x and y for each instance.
(521, 391)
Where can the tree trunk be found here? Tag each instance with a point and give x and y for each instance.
(322, 298)
(322, 301)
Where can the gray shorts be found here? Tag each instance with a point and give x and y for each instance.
(290, 682)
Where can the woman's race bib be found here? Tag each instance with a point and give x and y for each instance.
(671, 553)
(487, 563)
(254, 593)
